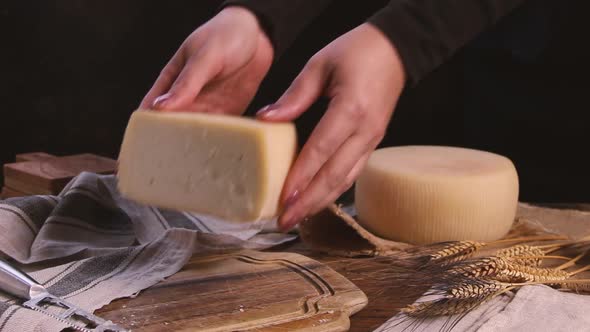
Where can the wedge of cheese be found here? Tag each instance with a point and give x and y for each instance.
(224, 166)
(425, 194)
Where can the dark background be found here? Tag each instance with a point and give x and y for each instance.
(73, 71)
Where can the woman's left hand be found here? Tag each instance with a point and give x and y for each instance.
(362, 75)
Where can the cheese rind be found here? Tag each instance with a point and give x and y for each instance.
(426, 194)
(224, 166)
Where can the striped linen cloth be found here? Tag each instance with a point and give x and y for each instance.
(90, 246)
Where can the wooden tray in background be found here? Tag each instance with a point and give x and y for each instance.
(247, 291)
(40, 173)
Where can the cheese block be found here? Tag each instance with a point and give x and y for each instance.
(426, 194)
(224, 166)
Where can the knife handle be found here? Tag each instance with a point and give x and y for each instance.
(17, 283)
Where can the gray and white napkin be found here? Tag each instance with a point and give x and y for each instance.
(90, 246)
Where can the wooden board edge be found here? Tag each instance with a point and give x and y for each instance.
(8, 192)
(332, 321)
(14, 171)
(353, 299)
(27, 188)
(33, 156)
(346, 300)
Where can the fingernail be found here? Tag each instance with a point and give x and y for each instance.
(268, 110)
(289, 224)
(291, 199)
(161, 101)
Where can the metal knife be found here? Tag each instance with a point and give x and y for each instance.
(36, 297)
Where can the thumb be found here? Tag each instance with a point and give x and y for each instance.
(303, 92)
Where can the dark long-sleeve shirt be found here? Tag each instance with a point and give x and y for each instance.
(424, 32)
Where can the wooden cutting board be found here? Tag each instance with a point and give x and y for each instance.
(246, 291)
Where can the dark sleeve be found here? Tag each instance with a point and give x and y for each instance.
(282, 20)
(428, 32)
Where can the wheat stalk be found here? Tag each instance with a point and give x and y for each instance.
(575, 286)
(520, 250)
(462, 283)
(444, 307)
(518, 253)
(461, 298)
(584, 288)
(530, 239)
(456, 251)
(458, 299)
(484, 278)
(480, 290)
(497, 268)
(522, 273)
(478, 268)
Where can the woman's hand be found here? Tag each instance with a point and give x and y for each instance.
(217, 69)
(363, 76)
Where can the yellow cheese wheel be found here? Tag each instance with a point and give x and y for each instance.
(426, 194)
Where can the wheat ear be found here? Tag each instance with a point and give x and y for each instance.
(461, 250)
(518, 253)
(458, 300)
(456, 251)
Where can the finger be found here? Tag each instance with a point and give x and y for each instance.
(338, 123)
(346, 184)
(329, 179)
(199, 69)
(303, 92)
(164, 80)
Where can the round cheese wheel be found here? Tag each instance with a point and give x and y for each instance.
(427, 194)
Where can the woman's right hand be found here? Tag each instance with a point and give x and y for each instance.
(217, 69)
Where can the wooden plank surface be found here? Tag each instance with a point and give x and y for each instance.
(386, 294)
(44, 175)
(256, 291)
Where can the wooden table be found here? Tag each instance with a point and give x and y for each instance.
(385, 295)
